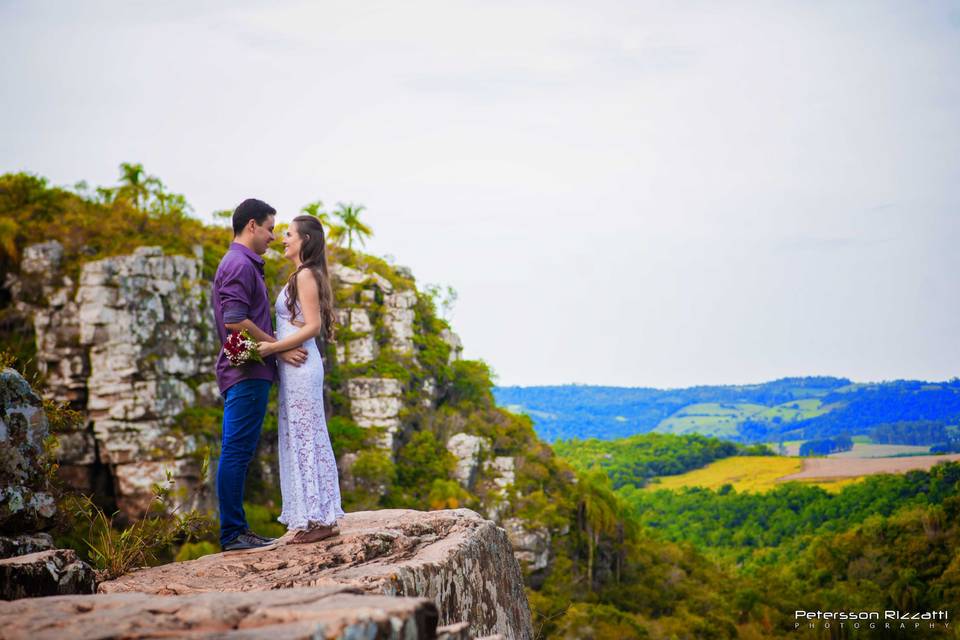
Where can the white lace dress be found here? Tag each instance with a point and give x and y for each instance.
(308, 469)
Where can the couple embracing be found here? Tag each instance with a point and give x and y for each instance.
(304, 310)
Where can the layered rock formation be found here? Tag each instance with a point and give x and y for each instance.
(45, 573)
(29, 565)
(467, 449)
(26, 504)
(377, 402)
(130, 345)
(462, 562)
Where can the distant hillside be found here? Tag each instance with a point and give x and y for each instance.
(636, 459)
(785, 409)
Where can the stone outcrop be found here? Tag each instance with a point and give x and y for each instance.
(467, 449)
(145, 320)
(26, 504)
(460, 561)
(130, 345)
(364, 347)
(453, 340)
(398, 320)
(25, 543)
(504, 468)
(376, 402)
(46, 294)
(44, 573)
(310, 613)
(531, 547)
(30, 565)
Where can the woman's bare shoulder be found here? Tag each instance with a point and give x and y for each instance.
(306, 278)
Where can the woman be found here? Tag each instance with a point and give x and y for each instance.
(308, 469)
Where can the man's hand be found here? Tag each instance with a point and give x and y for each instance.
(295, 357)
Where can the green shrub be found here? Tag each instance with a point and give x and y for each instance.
(262, 518)
(471, 384)
(194, 550)
(115, 551)
(373, 474)
(345, 435)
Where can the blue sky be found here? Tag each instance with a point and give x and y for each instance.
(642, 193)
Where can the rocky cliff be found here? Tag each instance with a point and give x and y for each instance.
(460, 561)
(29, 565)
(130, 345)
(390, 574)
(129, 342)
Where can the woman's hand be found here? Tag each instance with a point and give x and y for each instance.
(265, 349)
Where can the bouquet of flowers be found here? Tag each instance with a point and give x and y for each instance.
(241, 348)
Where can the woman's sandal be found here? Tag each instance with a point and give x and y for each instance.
(315, 535)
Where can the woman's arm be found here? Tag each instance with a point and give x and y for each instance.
(308, 295)
(254, 330)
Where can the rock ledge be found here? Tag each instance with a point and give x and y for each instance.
(460, 561)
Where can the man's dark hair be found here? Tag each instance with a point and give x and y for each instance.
(250, 209)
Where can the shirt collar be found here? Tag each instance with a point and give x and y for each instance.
(236, 246)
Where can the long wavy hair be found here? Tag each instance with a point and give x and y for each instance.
(313, 256)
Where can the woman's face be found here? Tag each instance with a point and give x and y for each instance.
(292, 242)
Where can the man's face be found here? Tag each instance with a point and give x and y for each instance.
(262, 235)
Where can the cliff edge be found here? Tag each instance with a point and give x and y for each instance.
(460, 561)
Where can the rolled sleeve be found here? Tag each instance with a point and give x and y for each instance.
(235, 294)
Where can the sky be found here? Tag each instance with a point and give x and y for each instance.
(638, 193)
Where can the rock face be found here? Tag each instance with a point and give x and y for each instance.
(31, 566)
(462, 562)
(456, 346)
(26, 504)
(23, 544)
(399, 320)
(530, 547)
(309, 613)
(128, 345)
(467, 450)
(44, 573)
(376, 402)
(364, 347)
(47, 295)
(504, 467)
(145, 321)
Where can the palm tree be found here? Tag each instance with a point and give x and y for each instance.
(600, 512)
(134, 184)
(315, 209)
(349, 215)
(334, 230)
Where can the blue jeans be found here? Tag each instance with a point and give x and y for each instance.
(244, 408)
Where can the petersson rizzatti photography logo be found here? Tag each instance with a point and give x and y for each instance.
(887, 620)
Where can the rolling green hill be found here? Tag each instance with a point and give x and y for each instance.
(898, 412)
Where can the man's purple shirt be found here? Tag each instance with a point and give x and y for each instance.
(240, 292)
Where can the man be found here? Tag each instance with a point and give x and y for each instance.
(240, 301)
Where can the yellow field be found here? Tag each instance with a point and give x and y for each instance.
(745, 473)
